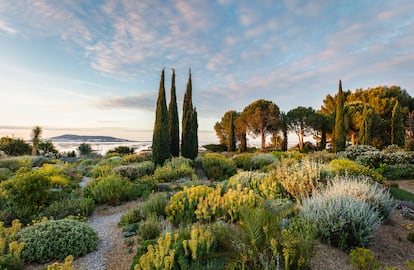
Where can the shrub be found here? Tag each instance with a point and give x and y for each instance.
(349, 167)
(363, 259)
(5, 173)
(259, 161)
(299, 179)
(344, 222)
(174, 169)
(216, 147)
(66, 265)
(104, 168)
(144, 186)
(14, 146)
(401, 194)
(362, 189)
(396, 172)
(136, 171)
(122, 150)
(217, 167)
(130, 217)
(354, 151)
(149, 228)
(243, 161)
(261, 183)
(183, 204)
(112, 189)
(25, 194)
(155, 204)
(57, 239)
(10, 248)
(72, 206)
(409, 145)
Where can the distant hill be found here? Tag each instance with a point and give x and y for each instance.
(80, 138)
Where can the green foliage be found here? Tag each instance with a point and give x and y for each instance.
(401, 194)
(85, 149)
(339, 130)
(232, 136)
(25, 194)
(396, 172)
(56, 239)
(155, 204)
(173, 123)
(105, 167)
(217, 167)
(174, 169)
(14, 146)
(301, 121)
(222, 128)
(215, 147)
(150, 228)
(135, 171)
(122, 150)
(111, 189)
(349, 167)
(131, 217)
(48, 149)
(5, 173)
(410, 264)
(189, 135)
(363, 259)
(259, 161)
(71, 206)
(344, 221)
(352, 152)
(10, 248)
(397, 125)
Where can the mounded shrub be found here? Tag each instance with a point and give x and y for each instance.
(174, 169)
(349, 167)
(344, 222)
(5, 173)
(112, 189)
(217, 167)
(131, 217)
(150, 228)
(155, 204)
(135, 171)
(72, 206)
(354, 151)
(56, 239)
(243, 161)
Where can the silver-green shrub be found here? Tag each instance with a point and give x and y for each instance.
(56, 239)
(155, 204)
(260, 160)
(342, 221)
(363, 189)
(174, 169)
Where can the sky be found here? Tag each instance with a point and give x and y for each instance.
(93, 67)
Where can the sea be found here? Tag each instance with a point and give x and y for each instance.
(103, 147)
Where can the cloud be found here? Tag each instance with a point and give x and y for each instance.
(4, 27)
(139, 102)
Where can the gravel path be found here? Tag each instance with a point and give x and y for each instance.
(105, 226)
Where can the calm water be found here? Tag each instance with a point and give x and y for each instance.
(102, 147)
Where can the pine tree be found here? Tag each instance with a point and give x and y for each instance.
(160, 141)
(340, 133)
(232, 139)
(397, 126)
(189, 136)
(173, 124)
(365, 130)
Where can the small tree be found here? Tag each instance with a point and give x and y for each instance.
(85, 149)
(299, 121)
(366, 124)
(397, 126)
(339, 131)
(160, 140)
(189, 140)
(232, 138)
(36, 132)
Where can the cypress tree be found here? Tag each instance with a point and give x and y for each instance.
(397, 126)
(189, 135)
(173, 124)
(365, 130)
(340, 133)
(231, 146)
(160, 141)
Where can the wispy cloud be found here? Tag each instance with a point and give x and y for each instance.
(4, 27)
(142, 102)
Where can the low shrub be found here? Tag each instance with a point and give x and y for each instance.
(10, 248)
(401, 194)
(65, 265)
(243, 161)
(352, 152)
(155, 204)
(72, 206)
(57, 239)
(349, 167)
(218, 148)
(144, 186)
(174, 169)
(150, 228)
(259, 161)
(135, 171)
(131, 217)
(217, 167)
(396, 172)
(344, 222)
(112, 189)
(363, 259)
(5, 173)
(363, 189)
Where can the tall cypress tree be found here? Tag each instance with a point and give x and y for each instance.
(340, 132)
(231, 146)
(160, 141)
(173, 124)
(397, 126)
(189, 137)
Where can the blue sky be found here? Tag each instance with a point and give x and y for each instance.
(93, 67)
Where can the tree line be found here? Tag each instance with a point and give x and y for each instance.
(166, 140)
(377, 116)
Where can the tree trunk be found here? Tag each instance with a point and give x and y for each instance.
(353, 138)
(263, 139)
(323, 140)
(243, 143)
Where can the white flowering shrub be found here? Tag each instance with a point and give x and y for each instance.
(354, 151)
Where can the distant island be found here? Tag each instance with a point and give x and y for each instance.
(80, 138)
